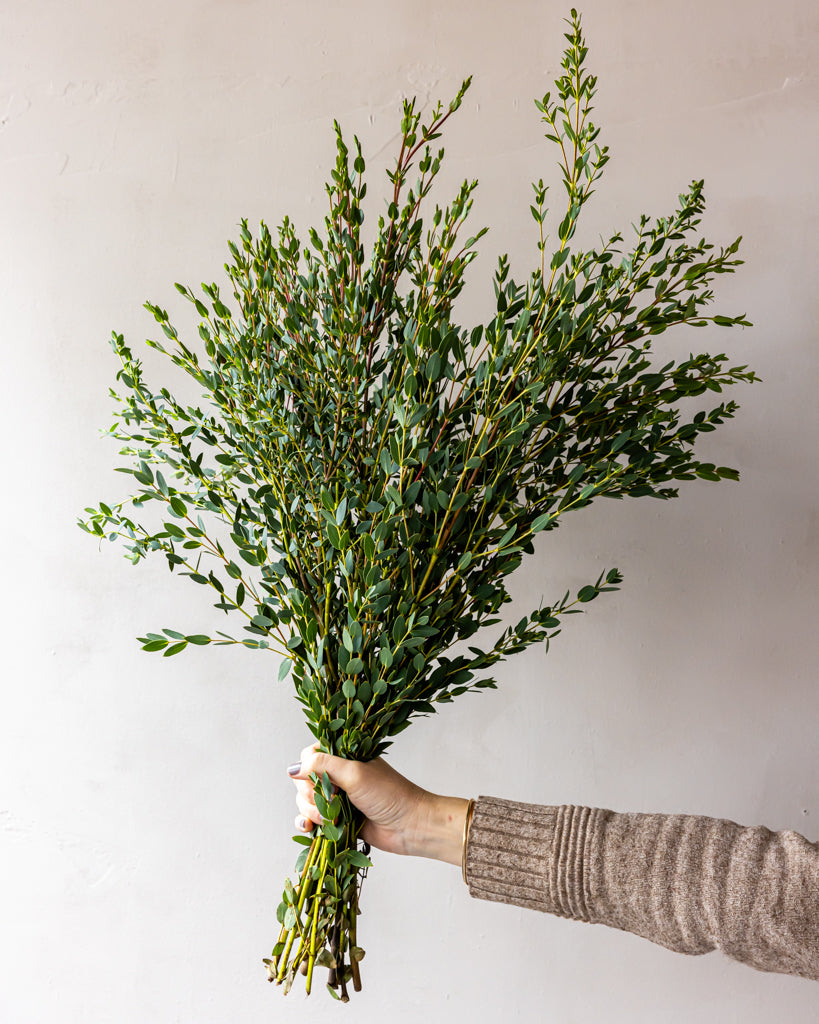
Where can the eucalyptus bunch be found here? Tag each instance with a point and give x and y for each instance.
(367, 472)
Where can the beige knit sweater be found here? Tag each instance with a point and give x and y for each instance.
(692, 884)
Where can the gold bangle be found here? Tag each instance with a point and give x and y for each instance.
(470, 807)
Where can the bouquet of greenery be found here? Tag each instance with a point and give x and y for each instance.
(368, 472)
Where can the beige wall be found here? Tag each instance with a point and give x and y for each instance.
(143, 803)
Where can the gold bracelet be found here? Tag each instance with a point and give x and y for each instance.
(470, 807)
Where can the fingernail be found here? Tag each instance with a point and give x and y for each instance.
(303, 824)
(294, 769)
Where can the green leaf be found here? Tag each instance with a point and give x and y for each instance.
(432, 370)
(507, 537)
(541, 522)
(324, 958)
(175, 648)
(620, 441)
(332, 832)
(322, 804)
(155, 645)
(357, 859)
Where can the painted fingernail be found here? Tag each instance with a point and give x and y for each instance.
(294, 769)
(303, 824)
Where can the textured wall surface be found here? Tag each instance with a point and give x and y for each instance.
(144, 809)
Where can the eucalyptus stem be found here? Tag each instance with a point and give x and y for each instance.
(321, 909)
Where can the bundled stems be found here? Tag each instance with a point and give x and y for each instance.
(319, 913)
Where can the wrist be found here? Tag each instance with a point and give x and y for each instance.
(440, 834)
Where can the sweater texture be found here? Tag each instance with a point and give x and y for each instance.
(692, 884)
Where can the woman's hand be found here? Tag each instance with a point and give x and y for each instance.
(400, 816)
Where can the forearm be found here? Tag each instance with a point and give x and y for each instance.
(690, 883)
(440, 831)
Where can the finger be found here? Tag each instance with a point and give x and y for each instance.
(341, 772)
(295, 770)
(305, 790)
(308, 809)
(303, 825)
(308, 752)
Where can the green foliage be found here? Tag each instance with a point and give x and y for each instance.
(367, 471)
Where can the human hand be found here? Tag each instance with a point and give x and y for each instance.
(400, 816)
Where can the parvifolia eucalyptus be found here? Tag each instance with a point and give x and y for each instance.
(367, 471)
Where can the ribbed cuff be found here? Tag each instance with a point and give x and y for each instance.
(531, 856)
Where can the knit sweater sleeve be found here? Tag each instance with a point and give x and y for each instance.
(692, 884)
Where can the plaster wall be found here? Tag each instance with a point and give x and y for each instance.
(144, 806)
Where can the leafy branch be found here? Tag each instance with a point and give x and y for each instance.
(368, 471)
